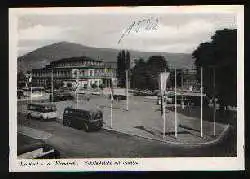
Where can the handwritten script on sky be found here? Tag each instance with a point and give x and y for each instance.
(148, 24)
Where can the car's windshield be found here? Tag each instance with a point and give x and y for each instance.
(98, 115)
(49, 109)
(42, 108)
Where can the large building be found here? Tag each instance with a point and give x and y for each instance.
(76, 72)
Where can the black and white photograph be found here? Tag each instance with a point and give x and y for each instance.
(126, 88)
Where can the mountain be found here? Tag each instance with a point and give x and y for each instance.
(44, 55)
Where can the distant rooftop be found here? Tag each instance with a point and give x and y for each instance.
(73, 59)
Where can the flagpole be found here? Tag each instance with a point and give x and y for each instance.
(31, 89)
(182, 100)
(201, 100)
(127, 89)
(77, 79)
(164, 118)
(175, 107)
(214, 99)
(111, 106)
(52, 87)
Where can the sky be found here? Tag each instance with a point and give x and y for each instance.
(176, 33)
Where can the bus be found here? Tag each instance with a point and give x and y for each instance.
(34, 91)
(42, 111)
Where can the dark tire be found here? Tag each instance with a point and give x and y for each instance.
(100, 126)
(66, 122)
(41, 118)
(86, 127)
(57, 155)
(29, 116)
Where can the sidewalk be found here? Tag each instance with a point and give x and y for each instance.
(143, 119)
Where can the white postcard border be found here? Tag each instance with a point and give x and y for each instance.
(144, 164)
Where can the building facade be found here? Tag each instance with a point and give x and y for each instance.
(76, 72)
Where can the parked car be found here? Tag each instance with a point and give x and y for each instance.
(66, 89)
(81, 91)
(61, 96)
(43, 111)
(118, 97)
(87, 119)
(30, 148)
(48, 90)
(96, 92)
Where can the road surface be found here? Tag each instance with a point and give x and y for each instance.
(73, 143)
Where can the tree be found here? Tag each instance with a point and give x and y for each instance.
(123, 64)
(145, 74)
(138, 76)
(219, 58)
(155, 65)
(21, 79)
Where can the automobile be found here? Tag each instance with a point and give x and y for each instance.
(61, 96)
(20, 94)
(166, 99)
(81, 90)
(42, 111)
(30, 148)
(66, 89)
(96, 92)
(48, 90)
(118, 97)
(89, 119)
(141, 93)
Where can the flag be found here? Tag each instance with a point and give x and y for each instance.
(112, 89)
(163, 81)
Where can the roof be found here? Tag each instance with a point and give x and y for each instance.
(84, 58)
(90, 108)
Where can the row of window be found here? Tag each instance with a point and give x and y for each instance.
(82, 73)
(80, 63)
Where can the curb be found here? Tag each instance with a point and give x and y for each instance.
(215, 141)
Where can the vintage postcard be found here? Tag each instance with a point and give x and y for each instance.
(126, 88)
